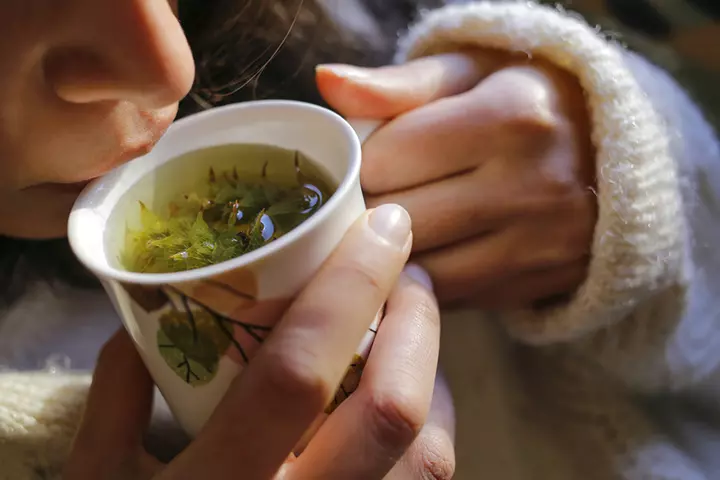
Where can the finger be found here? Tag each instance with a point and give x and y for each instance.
(386, 92)
(528, 288)
(461, 270)
(295, 374)
(413, 149)
(117, 413)
(494, 196)
(454, 209)
(432, 454)
(373, 428)
(514, 113)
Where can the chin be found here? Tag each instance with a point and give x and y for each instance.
(43, 213)
(47, 231)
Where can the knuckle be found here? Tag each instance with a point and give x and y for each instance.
(528, 103)
(533, 121)
(557, 182)
(436, 457)
(359, 275)
(313, 313)
(396, 419)
(562, 186)
(298, 377)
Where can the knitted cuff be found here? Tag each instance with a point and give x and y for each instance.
(638, 246)
(39, 415)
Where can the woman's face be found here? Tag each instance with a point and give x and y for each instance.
(85, 85)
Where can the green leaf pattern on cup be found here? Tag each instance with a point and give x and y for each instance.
(192, 338)
(191, 343)
(203, 337)
(349, 384)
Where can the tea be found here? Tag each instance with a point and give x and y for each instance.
(267, 192)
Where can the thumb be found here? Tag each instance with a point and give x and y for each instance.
(386, 92)
(116, 414)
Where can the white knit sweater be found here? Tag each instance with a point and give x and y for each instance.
(591, 381)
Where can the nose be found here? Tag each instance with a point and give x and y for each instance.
(127, 50)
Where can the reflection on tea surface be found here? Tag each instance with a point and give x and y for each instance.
(228, 213)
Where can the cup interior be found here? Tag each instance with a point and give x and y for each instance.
(109, 205)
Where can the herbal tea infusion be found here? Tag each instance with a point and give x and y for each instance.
(228, 214)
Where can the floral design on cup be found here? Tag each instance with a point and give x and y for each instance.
(201, 322)
(231, 299)
(349, 384)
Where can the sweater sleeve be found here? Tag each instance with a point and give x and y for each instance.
(649, 310)
(39, 415)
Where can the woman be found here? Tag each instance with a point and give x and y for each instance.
(575, 195)
(94, 84)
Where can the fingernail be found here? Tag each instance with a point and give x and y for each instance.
(345, 71)
(419, 274)
(392, 223)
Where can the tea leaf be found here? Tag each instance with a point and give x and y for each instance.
(149, 220)
(255, 237)
(228, 246)
(291, 205)
(200, 235)
(229, 218)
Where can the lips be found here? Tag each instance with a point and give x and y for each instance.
(75, 188)
(134, 134)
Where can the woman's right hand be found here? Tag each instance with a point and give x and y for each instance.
(398, 424)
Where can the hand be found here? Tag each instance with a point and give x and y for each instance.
(383, 430)
(491, 155)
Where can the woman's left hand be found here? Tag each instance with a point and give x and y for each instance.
(491, 155)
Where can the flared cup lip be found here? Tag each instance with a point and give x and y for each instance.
(88, 244)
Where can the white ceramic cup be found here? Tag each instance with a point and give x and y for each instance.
(196, 330)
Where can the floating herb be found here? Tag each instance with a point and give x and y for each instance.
(226, 217)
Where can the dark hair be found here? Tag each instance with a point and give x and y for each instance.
(243, 50)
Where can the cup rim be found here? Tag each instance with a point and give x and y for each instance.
(105, 270)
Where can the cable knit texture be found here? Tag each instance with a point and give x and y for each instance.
(646, 317)
(39, 414)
